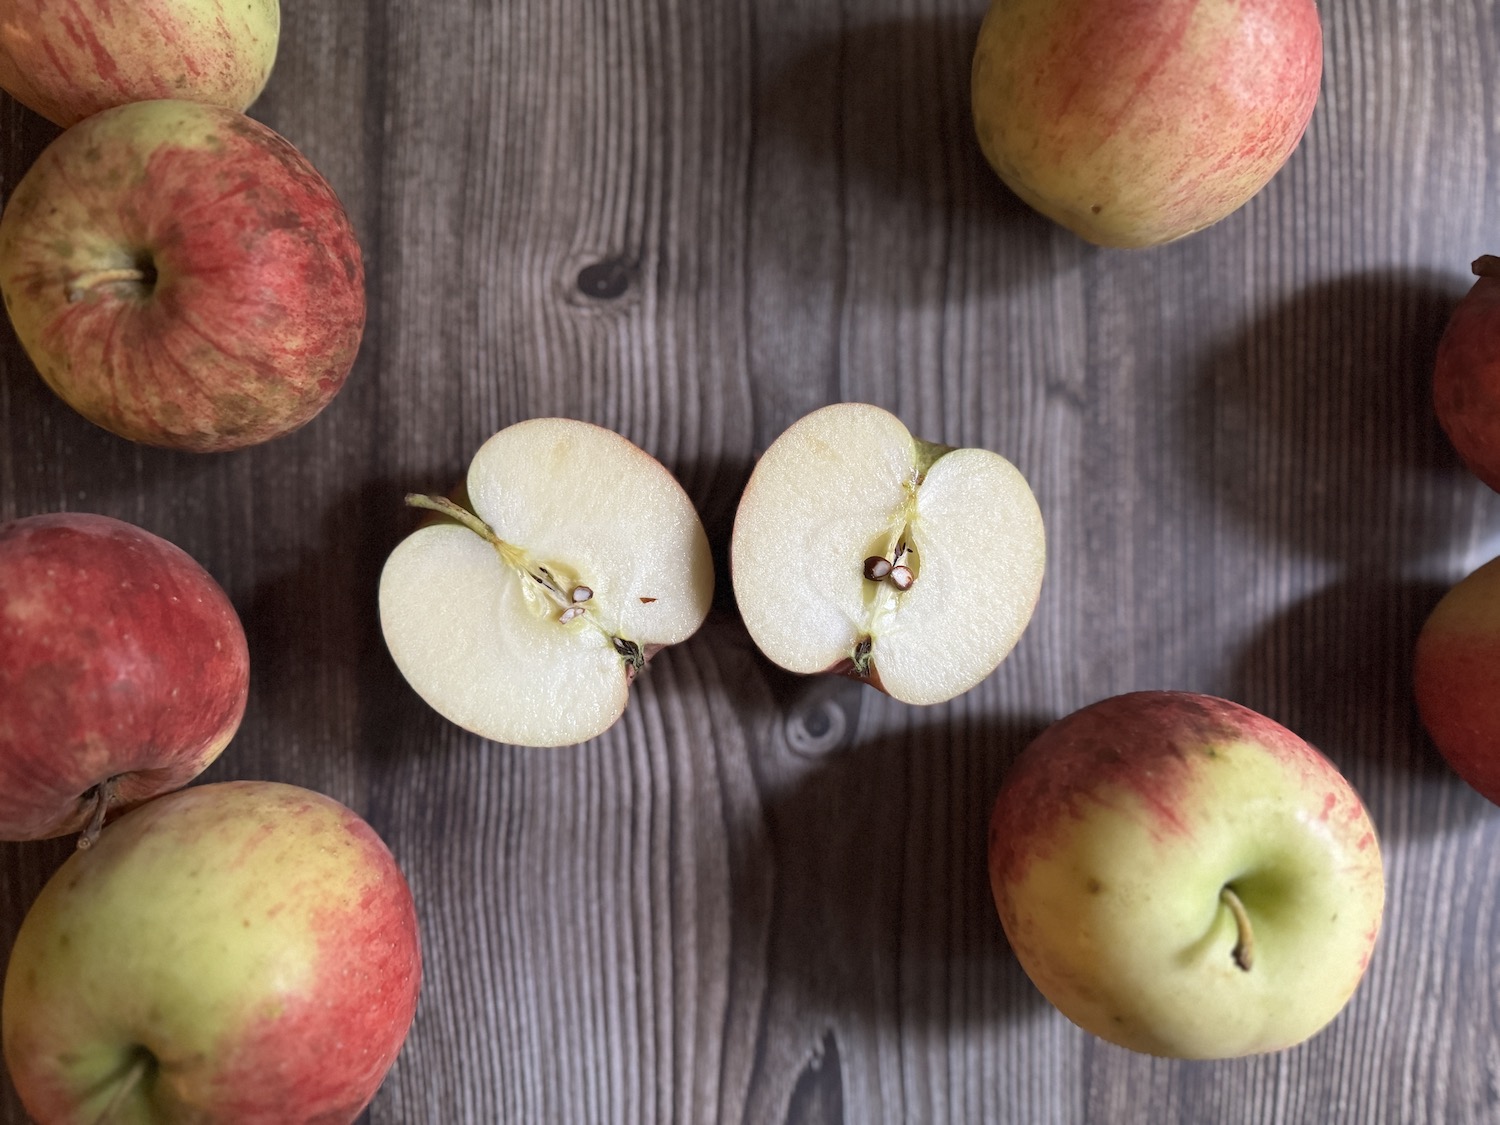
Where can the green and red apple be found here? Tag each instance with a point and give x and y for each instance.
(238, 952)
(1184, 877)
(1466, 376)
(182, 276)
(123, 671)
(525, 616)
(68, 61)
(1134, 124)
(858, 548)
(1456, 676)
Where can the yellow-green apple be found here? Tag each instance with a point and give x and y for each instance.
(68, 59)
(1184, 877)
(860, 549)
(1466, 376)
(525, 616)
(1135, 123)
(237, 952)
(123, 671)
(1456, 676)
(182, 276)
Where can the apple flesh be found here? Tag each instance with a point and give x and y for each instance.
(1466, 375)
(1456, 676)
(525, 617)
(1136, 124)
(183, 277)
(70, 60)
(244, 951)
(860, 549)
(1184, 877)
(123, 671)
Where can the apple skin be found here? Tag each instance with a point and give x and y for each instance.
(1456, 678)
(122, 661)
(256, 940)
(1466, 375)
(69, 59)
(1134, 124)
(183, 277)
(1112, 838)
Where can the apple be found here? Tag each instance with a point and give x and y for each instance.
(1466, 375)
(70, 60)
(525, 616)
(1456, 676)
(860, 549)
(244, 951)
(182, 276)
(123, 671)
(1134, 124)
(1184, 877)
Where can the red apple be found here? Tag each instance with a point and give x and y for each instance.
(123, 671)
(1466, 377)
(1456, 676)
(1135, 123)
(182, 276)
(1184, 877)
(244, 952)
(69, 60)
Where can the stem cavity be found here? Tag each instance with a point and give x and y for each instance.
(103, 797)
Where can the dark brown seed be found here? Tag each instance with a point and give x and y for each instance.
(877, 567)
(902, 577)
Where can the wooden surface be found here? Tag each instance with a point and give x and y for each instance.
(762, 898)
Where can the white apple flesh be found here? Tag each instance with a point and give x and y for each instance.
(525, 617)
(837, 507)
(1184, 877)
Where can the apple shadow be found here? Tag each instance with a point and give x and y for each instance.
(1336, 668)
(877, 901)
(1337, 380)
(870, 129)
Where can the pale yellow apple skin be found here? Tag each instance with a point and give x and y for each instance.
(1112, 838)
(68, 59)
(1134, 124)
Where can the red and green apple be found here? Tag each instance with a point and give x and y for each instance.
(1184, 877)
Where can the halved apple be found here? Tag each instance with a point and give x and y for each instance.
(524, 617)
(858, 548)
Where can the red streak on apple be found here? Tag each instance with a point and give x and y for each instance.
(119, 657)
(1145, 747)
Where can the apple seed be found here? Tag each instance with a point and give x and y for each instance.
(902, 577)
(582, 594)
(571, 613)
(877, 567)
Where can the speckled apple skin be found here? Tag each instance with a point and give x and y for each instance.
(257, 939)
(1111, 839)
(120, 657)
(1134, 123)
(68, 59)
(254, 307)
(1456, 678)
(1466, 375)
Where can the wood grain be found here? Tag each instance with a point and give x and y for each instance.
(762, 898)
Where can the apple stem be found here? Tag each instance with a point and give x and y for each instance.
(81, 283)
(127, 1086)
(104, 793)
(1486, 265)
(446, 507)
(1244, 947)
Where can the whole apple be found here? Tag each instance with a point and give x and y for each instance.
(123, 671)
(1184, 877)
(182, 276)
(1134, 124)
(240, 952)
(1466, 375)
(70, 60)
(1456, 676)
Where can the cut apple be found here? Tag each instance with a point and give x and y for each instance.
(860, 549)
(524, 617)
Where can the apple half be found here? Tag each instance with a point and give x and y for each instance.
(860, 549)
(524, 616)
